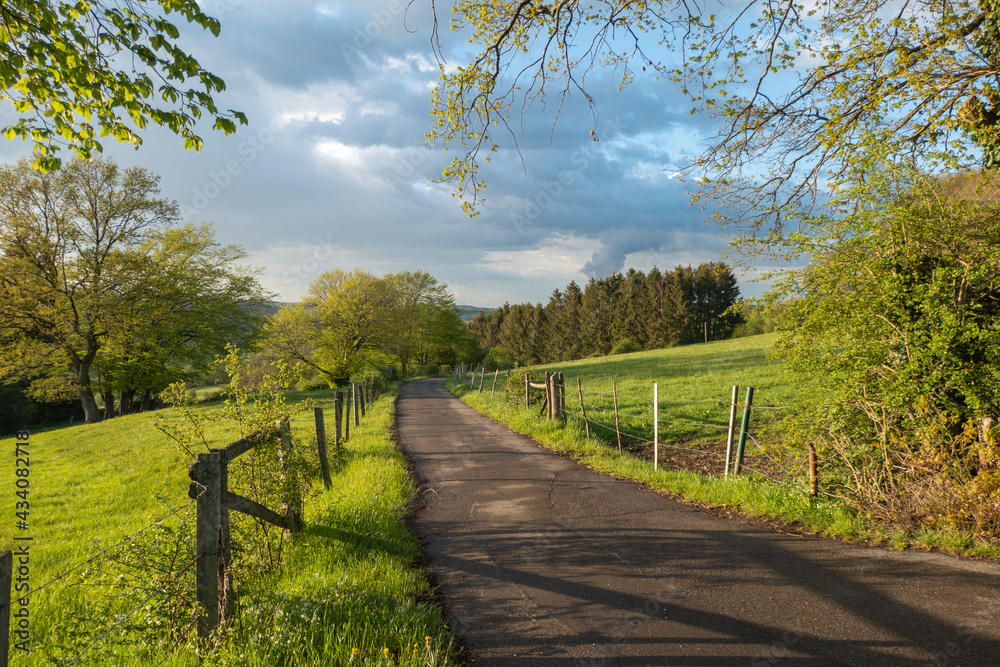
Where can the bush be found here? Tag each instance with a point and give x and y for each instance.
(625, 347)
(898, 323)
(498, 359)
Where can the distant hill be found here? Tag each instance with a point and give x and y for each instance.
(469, 312)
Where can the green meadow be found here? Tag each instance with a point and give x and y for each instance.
(348, 589)
(695, 388)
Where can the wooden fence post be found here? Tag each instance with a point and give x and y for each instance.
(548, 396)
(527, 388)
(354, 400)
(744, 430)
(361, 398)
(618, 431)
(472, 380)
(324, 463)
(562, 395)
(813, 472)
(496, 374)
(338, 413)
(732, 424)
(206, 472)
(347, 415)
(656, 426)
(482, 377)
(294, 500)
(6, 576)
(583, 409)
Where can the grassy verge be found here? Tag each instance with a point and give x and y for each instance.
(348, 590)
(690, 378)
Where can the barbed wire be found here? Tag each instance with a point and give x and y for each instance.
(722, 427)
(111, 548)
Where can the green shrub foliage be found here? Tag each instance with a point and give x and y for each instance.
(900, 322)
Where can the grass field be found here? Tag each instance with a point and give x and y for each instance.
(695, 388)
(348, 591)
(695, 385)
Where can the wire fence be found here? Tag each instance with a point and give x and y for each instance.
(127, 538)
(618, 416)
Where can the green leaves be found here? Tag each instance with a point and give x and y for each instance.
(898, 317)
(58, 69)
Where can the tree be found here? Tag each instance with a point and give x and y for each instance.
(350, 320)
(905, 80)
(898, 323)
(91, 274)
(75, 72)
(421, 318)
(190, 300)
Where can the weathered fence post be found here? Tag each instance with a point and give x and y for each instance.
(732, 424)
(354, 400)
(6, 575)
(744, 430)
(472, 380)
(294, 500)
(493, 389)
(656, 426)
(362, 399)
(583, 410)
(813, 472)
(324, 463)
(527, 389)
(338, 413)
(347, 415)
(210, 570)
(482, 377)
(548, 396)
(618, 431)
(561, 394)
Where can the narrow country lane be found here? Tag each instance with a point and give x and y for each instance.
(544, 562)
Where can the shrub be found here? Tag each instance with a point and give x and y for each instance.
(625, 347)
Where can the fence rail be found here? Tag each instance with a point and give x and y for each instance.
(209, 493)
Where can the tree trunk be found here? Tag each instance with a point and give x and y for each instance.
(146, 398)
(109, 403)
(125, 402)
(91, 413)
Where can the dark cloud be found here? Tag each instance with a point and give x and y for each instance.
(330, 171)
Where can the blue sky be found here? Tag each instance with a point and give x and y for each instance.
(330, 171)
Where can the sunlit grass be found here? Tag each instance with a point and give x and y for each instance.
(348, 590)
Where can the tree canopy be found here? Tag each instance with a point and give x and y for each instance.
(99, 289)
(76, 72)
(898, 324)
(621, 313)
(353, 320)
(808, 95)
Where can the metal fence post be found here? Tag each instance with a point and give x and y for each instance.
(744, 429)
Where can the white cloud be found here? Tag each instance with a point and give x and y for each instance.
(557, 259)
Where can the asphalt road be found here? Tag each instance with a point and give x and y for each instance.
(542, 561)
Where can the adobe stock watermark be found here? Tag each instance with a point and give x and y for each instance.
(219, 8)
(552, 190)
(379, 20)
(664, 593)
(302, 272)
(218, 180)
(967, 633)
(408, 163)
